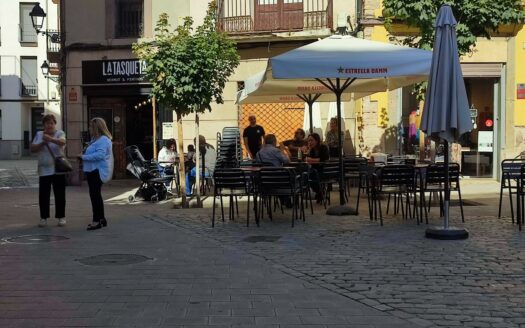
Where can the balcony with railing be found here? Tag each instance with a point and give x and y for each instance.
(53, 46)
(244, 17)
(27, 90)
(130, 19)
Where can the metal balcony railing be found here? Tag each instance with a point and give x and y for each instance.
(27, 35)
(27, 90)
(263, 16)
(130, 19)
(53, 41)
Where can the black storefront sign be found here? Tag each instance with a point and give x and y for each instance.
(115, 71)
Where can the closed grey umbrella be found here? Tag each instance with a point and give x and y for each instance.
(446, 112)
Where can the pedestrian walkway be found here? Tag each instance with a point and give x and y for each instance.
(326, 272)
(18, 173)
(184, 280)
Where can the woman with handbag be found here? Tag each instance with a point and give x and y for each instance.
(50, 144)
(97, 163)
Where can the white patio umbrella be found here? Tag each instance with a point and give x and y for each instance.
(446, 114)
(261, 88)
(347, 64)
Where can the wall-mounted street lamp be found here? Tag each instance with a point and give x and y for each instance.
(37, 19)
(45, 72)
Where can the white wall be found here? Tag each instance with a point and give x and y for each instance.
(16, 109)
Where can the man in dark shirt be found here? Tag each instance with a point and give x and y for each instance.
(295, 144)
(252, 136)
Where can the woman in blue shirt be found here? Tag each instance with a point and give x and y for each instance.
(98, 166)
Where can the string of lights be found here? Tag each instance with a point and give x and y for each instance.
(141, 104)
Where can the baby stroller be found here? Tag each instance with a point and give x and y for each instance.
(155, 184)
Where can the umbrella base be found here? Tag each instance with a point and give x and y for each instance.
(450, 233)
(341, 210)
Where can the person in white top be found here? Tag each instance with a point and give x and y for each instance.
(168, 156)
(45, 142)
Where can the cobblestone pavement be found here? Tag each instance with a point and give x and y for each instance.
(18, 173)
(186, 280)
(326, 272)
(478, 282)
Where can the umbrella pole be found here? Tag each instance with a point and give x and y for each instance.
(310, 99)
(338, 90)
(446, 232)
(340, 145)
(310, 109)
(447, 189)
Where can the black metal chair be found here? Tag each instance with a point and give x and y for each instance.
(510, 173)
(397, 180)
(280, 182)
(328, 176)
(356, 173)
(520, 193)
(434, 182)
(303, 170)
(231, 182)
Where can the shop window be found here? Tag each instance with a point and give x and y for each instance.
(26, 31)
(129, 18)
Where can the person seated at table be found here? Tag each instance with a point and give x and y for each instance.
(295, 144)
(269, 153)
(189, 158)
(210, 158)
(168, 156)
(316, 153)
(331, 138)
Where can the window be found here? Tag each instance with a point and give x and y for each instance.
(0, 124)
(27, 33)
(28, 77)
(129, 18)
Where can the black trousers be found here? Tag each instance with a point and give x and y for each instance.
(97, 203)
(58, 181)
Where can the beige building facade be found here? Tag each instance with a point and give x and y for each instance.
(103, 77)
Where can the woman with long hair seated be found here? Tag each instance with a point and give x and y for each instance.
(316, 153)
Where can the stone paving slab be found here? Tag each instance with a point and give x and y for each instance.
(18, 173)
(478, 282)
(188, 280)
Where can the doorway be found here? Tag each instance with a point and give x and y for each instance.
(129, 124)
(477, 146)
(278, 15)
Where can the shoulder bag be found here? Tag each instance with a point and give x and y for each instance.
(62, 165)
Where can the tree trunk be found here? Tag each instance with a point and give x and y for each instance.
(182, 173)
(197, 163)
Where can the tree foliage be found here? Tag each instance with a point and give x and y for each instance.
(476, 18)
(188, 70)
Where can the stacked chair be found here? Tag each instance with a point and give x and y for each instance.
(229, 151)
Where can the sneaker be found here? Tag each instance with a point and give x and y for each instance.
(61, 222)
(43, 223)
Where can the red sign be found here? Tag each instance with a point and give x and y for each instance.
(73, 96)
(520, 91)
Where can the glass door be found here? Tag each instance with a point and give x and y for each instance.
(477, 146)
